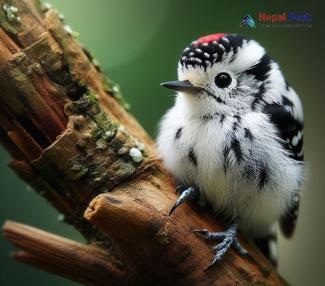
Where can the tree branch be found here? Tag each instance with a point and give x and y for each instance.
(86, 264)
(164, 248)
(65, 125)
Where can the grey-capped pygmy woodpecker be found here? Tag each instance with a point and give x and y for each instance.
(234, 138)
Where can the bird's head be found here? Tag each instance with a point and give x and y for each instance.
(226, 73)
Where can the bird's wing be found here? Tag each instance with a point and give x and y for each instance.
(288, 118)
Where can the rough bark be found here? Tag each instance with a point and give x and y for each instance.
(70, 136)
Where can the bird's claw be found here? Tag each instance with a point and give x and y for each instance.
(228, 238)
(201, 232)
(188, 193)
(204, 233)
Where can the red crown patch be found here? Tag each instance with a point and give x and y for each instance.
(209, 38)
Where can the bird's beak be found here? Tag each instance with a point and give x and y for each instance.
(182, 85)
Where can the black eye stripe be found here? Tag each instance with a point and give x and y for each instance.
(222, 80)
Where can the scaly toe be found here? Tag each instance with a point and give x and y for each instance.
(241, 250)
(221, 245)
(228, 238)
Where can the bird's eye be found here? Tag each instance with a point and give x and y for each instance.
(222, 80)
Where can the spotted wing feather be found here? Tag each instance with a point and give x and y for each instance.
(290, 129)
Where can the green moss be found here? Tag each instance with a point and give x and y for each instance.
(101, 144)
(96, 131)
(109, 86)
(91, 57)
(125, 169)
(4, 22)
(102, 126)
(114, 89)
(19, 58)
(104, 133)
(91, 97)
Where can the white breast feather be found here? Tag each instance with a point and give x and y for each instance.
(230, 192)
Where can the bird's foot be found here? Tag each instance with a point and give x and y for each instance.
(228, 238)
(187, 193)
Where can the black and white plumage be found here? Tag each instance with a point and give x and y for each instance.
(235, 135)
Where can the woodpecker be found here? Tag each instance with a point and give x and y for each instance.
(234, 138)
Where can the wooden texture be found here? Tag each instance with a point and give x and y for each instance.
(69, 134)
(64, 257)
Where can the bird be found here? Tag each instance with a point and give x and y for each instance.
(234, 139)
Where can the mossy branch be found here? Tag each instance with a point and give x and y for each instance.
(72, 139)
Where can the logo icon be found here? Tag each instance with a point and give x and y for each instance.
(248, 22)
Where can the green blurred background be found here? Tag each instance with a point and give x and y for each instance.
(138, 43)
